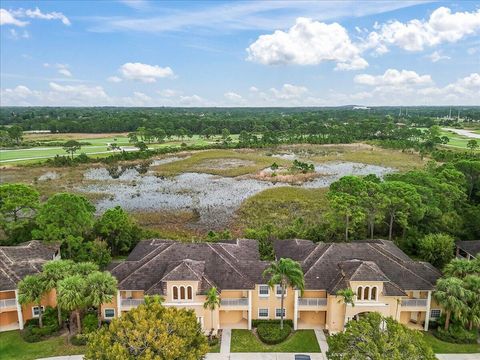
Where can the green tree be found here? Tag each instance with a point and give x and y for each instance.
(472, 287)
(150, 331)
(450, 294)
(72, 146)
(64, 214)
(348, 296)
(345, 210)
(471, 170)
(374, 337)
(72, 296)
(101, 288)
(373, 204)
(53, 272)
(285, 273)
(16, 133)
(31, 290)
(472, 145)
(117, 229)
(212, 301)
(437, 249)
(461, 268)
(401, 202)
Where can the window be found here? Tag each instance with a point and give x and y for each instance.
(182, 292)
(359, 293)
(263, 313)
(278, 313)
(175, 293)
(109, 313)
(189, 293)
(435, 313)
(373, 294)
(263, 290)
(366, 293)
(35, 311)
(278, 291)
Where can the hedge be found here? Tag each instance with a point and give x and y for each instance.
(272, 334)
(256, 322)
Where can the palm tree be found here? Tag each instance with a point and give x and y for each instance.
(212, 300)
(72, 296)
(31, 290)
(348, 296)
(450, 294)
(84, 268)
(285, 272)
(460, 268)
(55, 271)
(472, 287)
(101, 288)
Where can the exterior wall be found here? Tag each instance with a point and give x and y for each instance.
(8, 318)
(7, 294)
(314, 294)
(313, 318)
(49, 299)
(272, 302)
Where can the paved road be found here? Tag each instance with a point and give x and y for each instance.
(458, 356)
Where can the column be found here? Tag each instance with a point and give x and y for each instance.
(19, 311)
(119, 304)
(295, 310)
(427, 315)
(249, 309)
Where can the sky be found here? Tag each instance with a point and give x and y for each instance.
(239, 53)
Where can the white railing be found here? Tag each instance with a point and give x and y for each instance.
(234, 302)
(6, 303)
(414, 302)
(312, 301)
(132, 302)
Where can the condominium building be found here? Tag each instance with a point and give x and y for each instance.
(383, 278)
(16, 262)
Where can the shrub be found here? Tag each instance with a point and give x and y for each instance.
(32, 333)
(456, 334)
(257, 322)
(271, 333)
(78, 340)
(213, 341)
(90, 323)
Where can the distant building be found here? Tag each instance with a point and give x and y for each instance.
(468, 249)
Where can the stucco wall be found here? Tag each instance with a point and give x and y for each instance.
(272, 302)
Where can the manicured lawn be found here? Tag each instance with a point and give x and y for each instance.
(442, 347)
(299, 341)
(13, 347)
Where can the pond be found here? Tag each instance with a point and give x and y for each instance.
(214, 198)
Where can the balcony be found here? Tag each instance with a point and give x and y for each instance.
(232, 304)
(8, 304)
(311, 303)
(131, 303)
(416, 303)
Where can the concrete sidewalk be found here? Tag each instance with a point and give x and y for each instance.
(226, 340)
(261, 356)
(458, 356)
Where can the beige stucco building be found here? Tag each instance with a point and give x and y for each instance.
(384, 279)
(16, 262)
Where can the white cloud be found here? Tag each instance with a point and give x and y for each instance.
(144, 72)
(308, 42)
(169, 93)
(114, 79)
(14, 34)
(193, 100)
(7, 18)
(393, 77)
(234, 97)
(62, 69)
(289, 91)
(442, 26)
(253, 89)
(437, 56)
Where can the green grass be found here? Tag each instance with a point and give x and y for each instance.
(299, 341)
(13, 347)
(219, 162)
(280, 206)
(215, 348)
(456, 140)
(442, 347)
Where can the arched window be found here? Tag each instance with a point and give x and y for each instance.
(373, 295)
(359, 293)
(175, 293)
(366, 293)
(182, 292)
(189, 293)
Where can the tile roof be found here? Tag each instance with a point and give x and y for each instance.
(236, 265)
(329, 266)
(472, 247)
(18, 261)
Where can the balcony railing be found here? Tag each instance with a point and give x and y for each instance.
(7, 303)
(234, 302)
(414, 302)
(312, 301)
(132, 302)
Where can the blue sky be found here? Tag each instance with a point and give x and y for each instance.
(263, 53)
